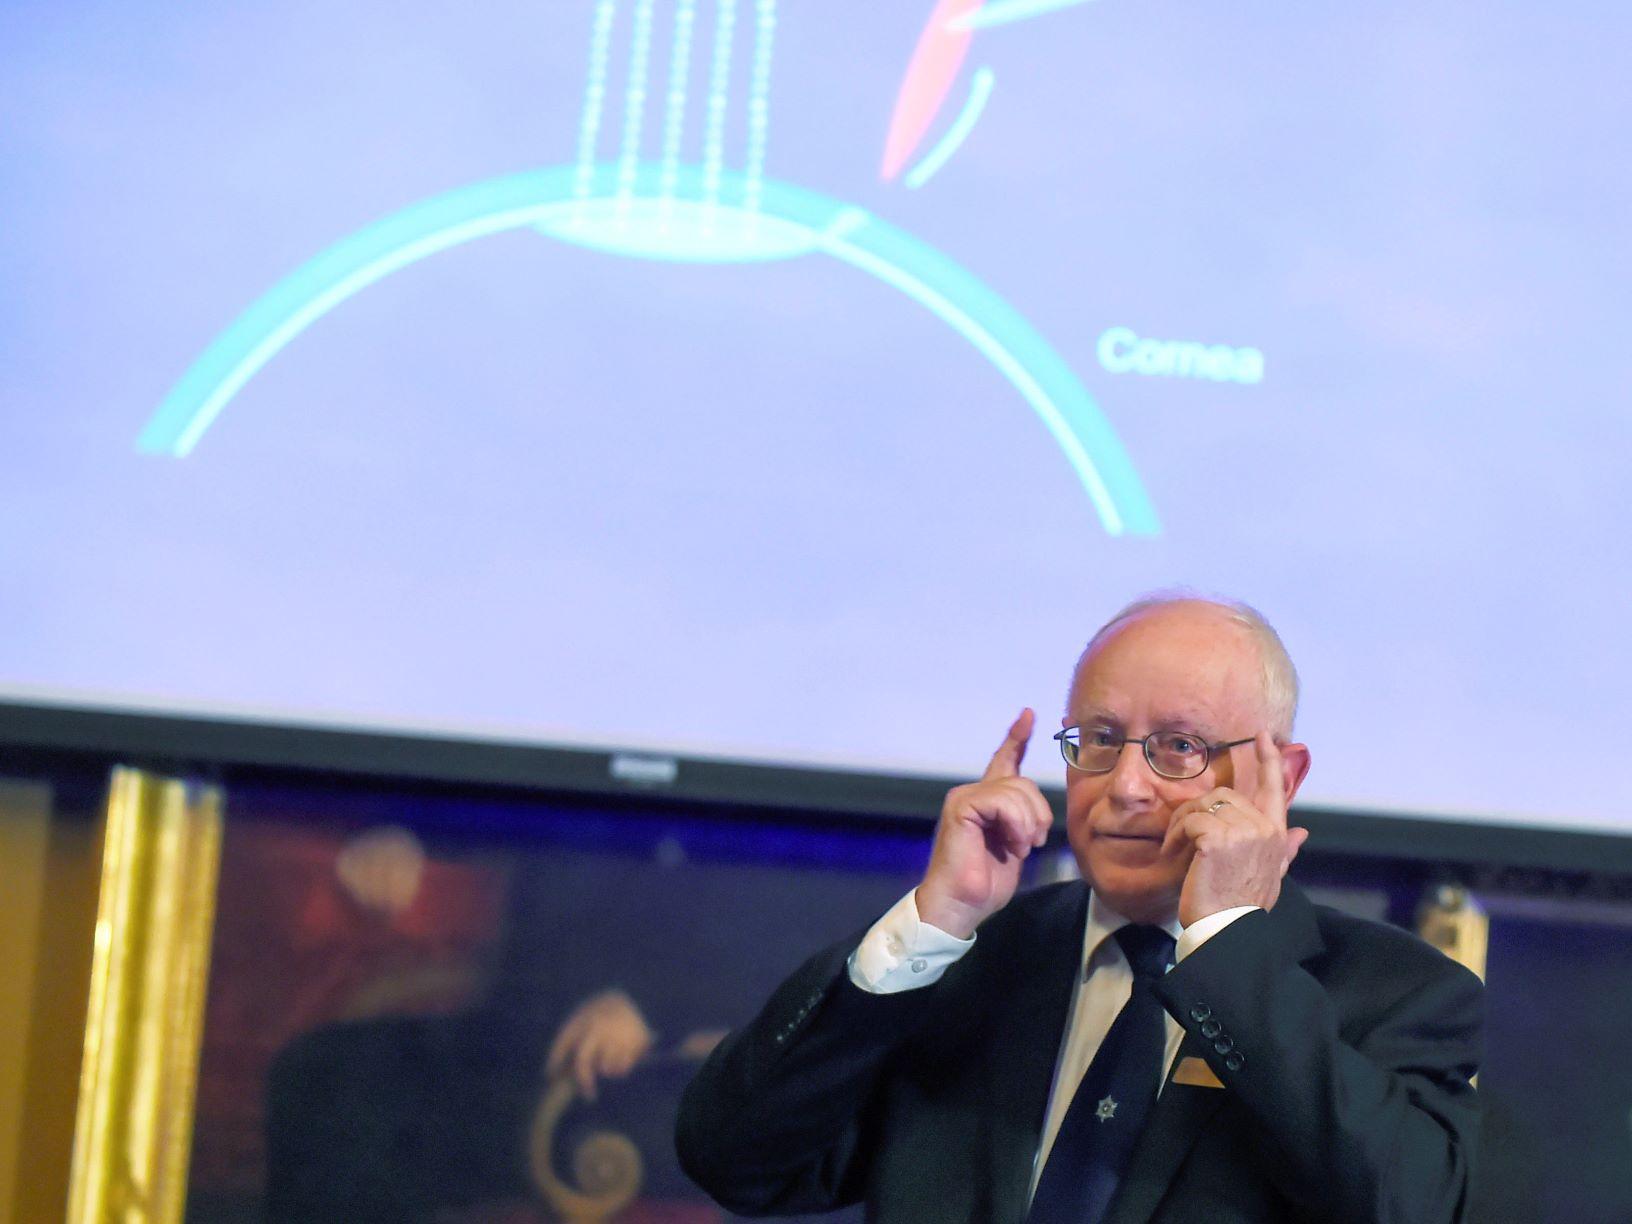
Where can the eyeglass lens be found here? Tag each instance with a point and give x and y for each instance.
(1173, 754)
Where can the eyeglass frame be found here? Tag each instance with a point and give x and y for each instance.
(1144, 748)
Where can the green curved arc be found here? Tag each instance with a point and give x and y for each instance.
(980, 92)
(546, 199)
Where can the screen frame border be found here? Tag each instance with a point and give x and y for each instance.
(218, 749)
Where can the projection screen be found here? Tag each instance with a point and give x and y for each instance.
(801, 383)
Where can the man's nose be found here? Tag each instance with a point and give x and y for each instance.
(1131, 777)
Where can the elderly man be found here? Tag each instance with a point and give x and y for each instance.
(1187, 1038)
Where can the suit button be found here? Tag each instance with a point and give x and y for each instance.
(1223, 1045)
(1211, 1029)
(1200, 1012)
(1233, 1062)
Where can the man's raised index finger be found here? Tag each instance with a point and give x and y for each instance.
(1005, 762)
(1271, 790)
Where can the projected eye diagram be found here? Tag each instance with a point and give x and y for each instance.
(688, 205)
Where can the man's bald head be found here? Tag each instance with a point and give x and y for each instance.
(1279, 678)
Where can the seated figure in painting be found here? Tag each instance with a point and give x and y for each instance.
(616, 971)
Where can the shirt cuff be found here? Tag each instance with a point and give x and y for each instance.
(902, 952)
(1203, 929)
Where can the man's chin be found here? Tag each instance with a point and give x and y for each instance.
(1148, 894)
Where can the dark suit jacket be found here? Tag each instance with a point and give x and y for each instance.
(1346, 1095)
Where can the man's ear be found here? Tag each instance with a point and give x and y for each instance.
(1294, 767)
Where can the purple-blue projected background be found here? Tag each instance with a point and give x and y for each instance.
(803, 382)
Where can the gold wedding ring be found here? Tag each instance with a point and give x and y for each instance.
(1218, 803)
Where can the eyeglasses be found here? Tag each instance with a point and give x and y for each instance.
(1173, 754)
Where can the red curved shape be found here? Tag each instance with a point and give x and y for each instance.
(930, 77)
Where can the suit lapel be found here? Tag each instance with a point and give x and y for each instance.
(1026, 1046)
(1183, 1110)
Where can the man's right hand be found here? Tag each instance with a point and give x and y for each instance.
(986, 831)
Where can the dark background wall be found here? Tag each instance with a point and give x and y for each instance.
(424, 1030)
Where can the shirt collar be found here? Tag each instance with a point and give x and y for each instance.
(1103, 922)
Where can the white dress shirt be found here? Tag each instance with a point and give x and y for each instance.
(902, 952)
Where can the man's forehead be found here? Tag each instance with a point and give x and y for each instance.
(1177, 669)
(1159, 714)
(1091, 703)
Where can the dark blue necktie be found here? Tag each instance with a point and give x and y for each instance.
(1096, 1138)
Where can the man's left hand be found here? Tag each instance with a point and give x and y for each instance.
(1242, 847)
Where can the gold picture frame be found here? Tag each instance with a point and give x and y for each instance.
(160, 859)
